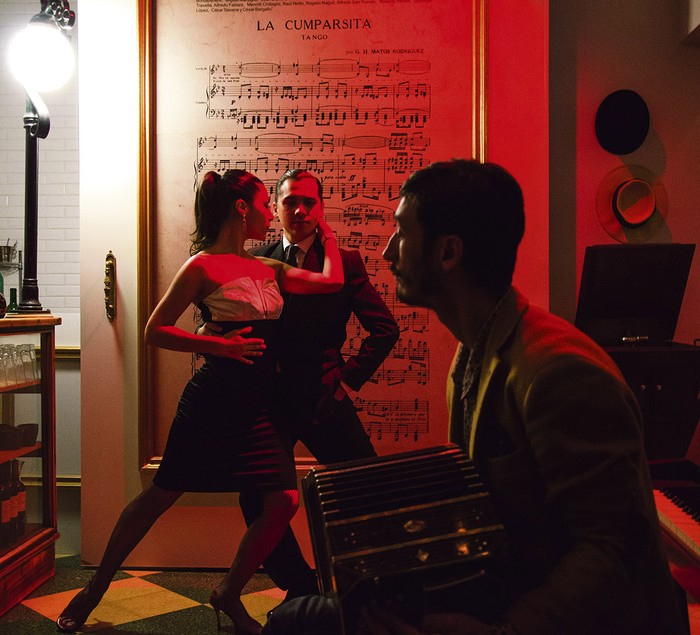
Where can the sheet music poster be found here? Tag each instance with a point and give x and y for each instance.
(361, 92)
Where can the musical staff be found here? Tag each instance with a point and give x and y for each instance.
(327, 142)
(326, 115)
(326, 68)
(394, 417)
(341, 167)
(236, 92)
(404, 349)
(409, 319)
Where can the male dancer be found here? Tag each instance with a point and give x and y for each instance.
(315, 380)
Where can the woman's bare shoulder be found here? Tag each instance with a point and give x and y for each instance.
(270, 262)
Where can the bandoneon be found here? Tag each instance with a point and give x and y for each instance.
(413, 531)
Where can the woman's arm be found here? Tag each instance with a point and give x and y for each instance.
(185, 289)
(330, 280)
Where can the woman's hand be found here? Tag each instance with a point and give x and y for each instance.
(330, 280)
(234, 346)
(325, 230)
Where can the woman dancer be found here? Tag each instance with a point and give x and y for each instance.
(221, 438)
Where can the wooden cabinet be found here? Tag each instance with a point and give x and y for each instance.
(666, 382)
(27, 455)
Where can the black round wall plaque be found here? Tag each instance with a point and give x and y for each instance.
(622, 122)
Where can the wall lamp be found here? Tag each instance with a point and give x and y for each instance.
(41, 59)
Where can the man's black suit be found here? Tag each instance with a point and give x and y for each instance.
(312, 333)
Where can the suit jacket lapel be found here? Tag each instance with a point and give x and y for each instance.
(313, 261)
(505, 323)
(278, 252)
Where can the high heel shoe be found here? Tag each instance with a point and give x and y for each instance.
(78, 610)
(243, 623)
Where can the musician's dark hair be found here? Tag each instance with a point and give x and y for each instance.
(215, 198)
(479, 202)
(296, 175)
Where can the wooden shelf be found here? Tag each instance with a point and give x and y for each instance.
(24, 321)
(24, 386)
(8, 455)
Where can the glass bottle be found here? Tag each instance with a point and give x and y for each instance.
(21, 489)
(5, 504)
(11, 487)
(3, 302)
(13, 307)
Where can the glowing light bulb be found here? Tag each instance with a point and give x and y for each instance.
(41, 57)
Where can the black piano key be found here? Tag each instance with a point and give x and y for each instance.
(687, 497)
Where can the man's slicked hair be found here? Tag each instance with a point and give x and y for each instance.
(296, 175)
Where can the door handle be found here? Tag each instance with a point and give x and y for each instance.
(111, 286)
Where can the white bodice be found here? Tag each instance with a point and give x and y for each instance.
(244, 299)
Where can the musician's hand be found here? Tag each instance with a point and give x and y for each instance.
(382, 622)
(235, 346)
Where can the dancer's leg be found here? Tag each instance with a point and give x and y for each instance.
(133, 524)
(257, 543)
(286, 565)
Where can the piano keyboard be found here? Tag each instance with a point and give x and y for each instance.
(678, 509)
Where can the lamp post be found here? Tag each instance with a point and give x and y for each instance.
(41, 59)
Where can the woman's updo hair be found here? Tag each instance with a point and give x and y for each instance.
(214, 200)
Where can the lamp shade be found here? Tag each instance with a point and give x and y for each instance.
(41, 57)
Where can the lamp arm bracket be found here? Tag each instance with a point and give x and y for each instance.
(36, 115)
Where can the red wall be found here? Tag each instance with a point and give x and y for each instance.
(517, 125)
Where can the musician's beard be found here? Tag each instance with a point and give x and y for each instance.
(420, 290)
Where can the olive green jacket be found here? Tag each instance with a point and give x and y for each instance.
(557, 438)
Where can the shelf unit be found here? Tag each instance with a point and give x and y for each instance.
(27, 395)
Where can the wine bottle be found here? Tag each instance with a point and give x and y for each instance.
(13, 307)
(11, 487)
(21, 498)
(5, 503)
(3, 302)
